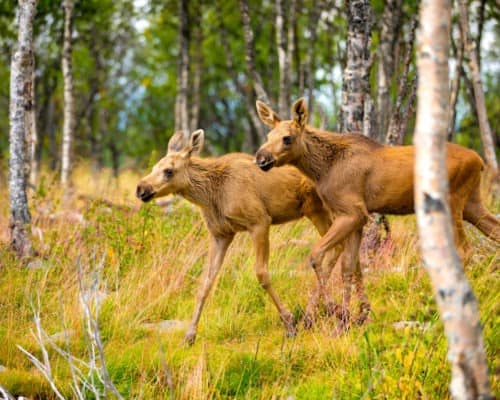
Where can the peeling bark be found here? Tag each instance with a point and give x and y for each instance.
(198, 64)
(389, 32)
(69, 103)
(256, 126)
(291, 47)
(283, 59)
(397, 128)
(356, 78)
(21, 104)
(455, 85)
(181, 99)
(250, 53)
(484, 125)
(314, 15)
(457, 304)
(33, 132)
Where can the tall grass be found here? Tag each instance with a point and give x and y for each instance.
(152, 265)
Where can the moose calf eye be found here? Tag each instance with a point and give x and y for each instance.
(168, 172)
(287, 140)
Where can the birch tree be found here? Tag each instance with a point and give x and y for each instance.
(181, 99)
(197, 72)
(406, 90)
(484, 125)
(458, 51)
(248, 36)
(256, 129)
(314, 15)
(283, 59)
(69, 102)
(356, 98)
(457, 304)
(21, 103)
(33, 132)
(389, 30)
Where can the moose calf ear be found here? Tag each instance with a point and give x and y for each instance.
(299, 112)
(196, 142)
(176, 142)
(266, 114)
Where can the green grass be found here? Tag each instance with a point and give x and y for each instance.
(152, 265)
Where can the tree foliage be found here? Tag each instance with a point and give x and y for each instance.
(125, 58)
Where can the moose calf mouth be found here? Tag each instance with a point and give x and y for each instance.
(146, 197)
(144, 193)
(266, 166)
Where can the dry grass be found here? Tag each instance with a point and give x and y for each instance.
(151, 270)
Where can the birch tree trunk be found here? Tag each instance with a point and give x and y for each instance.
(198, 64)
(69, 103)
(283, 59)
(356, 83)
(249, 54)
(389, 32)
(290, 52)
(21, 103)
(255, 124)
(397, 127)
(314, 15)
(484, 125)
(181, 100)
(456, 301)
(455, 85)
(33, 132)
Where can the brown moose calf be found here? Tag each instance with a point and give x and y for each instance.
(355, 176)
(234, 195)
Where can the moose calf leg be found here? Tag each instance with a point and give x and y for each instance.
(364, 303)
(342, 227)
(350, 268)
(217, 251)
(321, 292)
(332, 258)
(260, 236)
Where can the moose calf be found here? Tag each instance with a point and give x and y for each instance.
(355, 176)
(234, 195)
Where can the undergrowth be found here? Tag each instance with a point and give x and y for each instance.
(152, 265)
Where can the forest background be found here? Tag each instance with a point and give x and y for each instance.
(126, 60)
(144, 69)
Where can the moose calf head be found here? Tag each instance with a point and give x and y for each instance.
(170, 174)
(283, 141)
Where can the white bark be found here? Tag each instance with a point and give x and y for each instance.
(456, 301)
(181, 100)
(250, 53)
(314, 15)
(198, 70)
(69, 114)
(484, 125)
(21, 103)
(455, 85)
(283, 104)
(33, 135)
(389, 30)
(355, 80)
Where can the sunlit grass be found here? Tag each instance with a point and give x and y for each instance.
(152, 265)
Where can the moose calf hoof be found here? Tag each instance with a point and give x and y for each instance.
(189, 339)
(308, 320)
(291, 331)
(364, 314)
(290, 324)
(332, 308)
(341, 329)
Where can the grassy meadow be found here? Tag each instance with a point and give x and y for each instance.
(146, 264)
